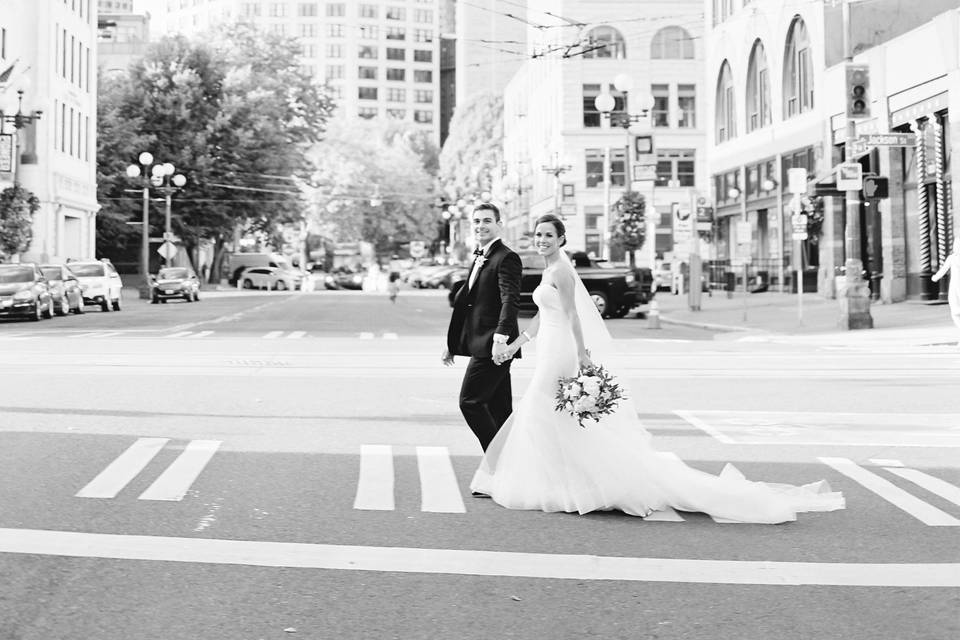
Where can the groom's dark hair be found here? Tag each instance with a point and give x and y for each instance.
(489, 206)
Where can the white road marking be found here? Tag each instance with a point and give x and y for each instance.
(95, 334)
(474, 562)
(439, 491)
(388, 335)
(125, 468)
(926, 513)
(296, 334)
(179, 334)
(200, 334)
(273, 334)
(375, 484)
(175, 481)
(703, 426)
(930, 483)
(366, 335)
(883, 462)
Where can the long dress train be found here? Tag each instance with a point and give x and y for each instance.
(543, 460)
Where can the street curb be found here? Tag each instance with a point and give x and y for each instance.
(709, 326)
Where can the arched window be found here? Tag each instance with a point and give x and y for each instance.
(758, 89)
(671, 43)
(725, 108)
(797, 71)
(605, 42)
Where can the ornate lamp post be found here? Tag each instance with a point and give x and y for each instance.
(19, 121)
(164, 178)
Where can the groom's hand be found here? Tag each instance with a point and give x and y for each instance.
(500, 352)
(446, 358)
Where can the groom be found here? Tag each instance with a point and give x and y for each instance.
(484, 320)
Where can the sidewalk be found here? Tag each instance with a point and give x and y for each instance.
(779, 314)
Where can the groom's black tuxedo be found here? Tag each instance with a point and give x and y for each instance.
(490, 306)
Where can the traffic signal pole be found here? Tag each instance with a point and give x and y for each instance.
(853, 294)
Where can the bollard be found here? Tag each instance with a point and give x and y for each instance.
(653, 315)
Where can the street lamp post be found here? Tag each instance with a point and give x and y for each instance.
(19, 121)
(164, 179)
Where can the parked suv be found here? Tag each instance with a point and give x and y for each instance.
(99, 282)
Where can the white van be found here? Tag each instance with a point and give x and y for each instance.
(237, 262)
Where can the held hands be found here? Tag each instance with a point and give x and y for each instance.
(935, 277)
(501, 353)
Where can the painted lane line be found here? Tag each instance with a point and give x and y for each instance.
(922, 511)
(179, 334)
(201, 334)
(439, 491)
(474, 562)
(366, 335)
(703, 426)
(375, 485)
(125, 468)
(389, 335)
(930, 483)
(95, 334)
(883, 462)
(176, 480)
(296, 334)
(273, 334)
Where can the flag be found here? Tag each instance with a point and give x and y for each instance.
(5, 76)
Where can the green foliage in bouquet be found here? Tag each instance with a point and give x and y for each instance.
(590, 394)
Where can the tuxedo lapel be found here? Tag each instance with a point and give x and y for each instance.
(494, 246)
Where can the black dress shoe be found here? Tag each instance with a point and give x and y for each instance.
(477, 494)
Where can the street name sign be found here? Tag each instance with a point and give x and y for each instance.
(888, 139)
(849, 176)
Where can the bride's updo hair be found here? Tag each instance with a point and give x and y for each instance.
(557, 225)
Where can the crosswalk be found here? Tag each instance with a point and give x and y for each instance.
(191, 335)
(442, 492)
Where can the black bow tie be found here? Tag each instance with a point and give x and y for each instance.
(478, 251)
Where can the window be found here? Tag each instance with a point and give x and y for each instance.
(278, 29)
(660, 115)
(591, 116)
(308, 50)
(396, 33)
(334, 72)
(369, 32)
(423, 96)
(367, 73)
(367, 112)
(337, 9)
(367, 93)
(672, 43)
(334, 50)
(797, 71)
(420, 55)
(307, 10)
(423, 117)
(423, 15)
(396, 95)
(605, 42)
(367, 52)
(395, 13)
(594, 167)
(397, 114)
(687, 106)
(277, 10)
(758, 89)
(423, 35)
(676, 167)
(251, 9)
(396, 74)
(308, 30)
(368, 11)
(422, 75)
(725, 105)
(334, 30)
(396, 54)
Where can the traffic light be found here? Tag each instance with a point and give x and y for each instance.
(858, 91)
(876, 187)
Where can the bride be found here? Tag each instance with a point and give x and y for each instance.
(543, 460)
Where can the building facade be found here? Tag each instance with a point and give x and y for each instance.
(123, 35)
(48, 51)
(563, 155)
(778, 101)
(380, 57)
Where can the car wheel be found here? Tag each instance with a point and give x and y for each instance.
(80, 309)
(247, 284)
(187, 297)
(48, 311)
(600, 299)
(281, 285)
(104, 304)
(64, 306)
(37, 312)
(163, 300)
(116, 303)
(196, 296)
(155, 299)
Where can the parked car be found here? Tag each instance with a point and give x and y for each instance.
(24, 292)
(174, 282)
(64, 288)
(614, 289)
(235, 263)
(270, 278)
(344, 279)
(445, 277)
(99, 281)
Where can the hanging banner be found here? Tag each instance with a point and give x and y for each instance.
(6, 152)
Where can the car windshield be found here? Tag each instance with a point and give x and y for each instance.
(172, 274)
(10, 273)
(87, 270)
(51, 273)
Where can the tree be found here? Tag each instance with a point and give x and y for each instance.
(629, 228)
(17, 206)
(471, 154)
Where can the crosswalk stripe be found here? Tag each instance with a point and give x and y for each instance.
(366, 335)
(933, 485)
(273, 334)
(201, 334)
(375, 484)
(926, 513)
(179, 334)
(884, 462)
(95, 334)
(390, 336)
(439, 491)
(176, 480)
(296, 334)
(123, 469)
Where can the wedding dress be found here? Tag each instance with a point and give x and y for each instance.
(543, 460)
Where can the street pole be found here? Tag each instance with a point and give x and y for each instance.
(854, 296)
(605, 227)
(145, 244)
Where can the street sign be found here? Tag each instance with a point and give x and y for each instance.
(6, 152)
(888, 139)
(797, 180)
(849, 176)
(682, 228)
(168, 250)
(417, 248)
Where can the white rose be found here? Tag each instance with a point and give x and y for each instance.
(588, 404)
(592, 387)
(573, 391)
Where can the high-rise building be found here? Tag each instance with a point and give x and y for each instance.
(48, 53)
(380, 57)
(124, 33)
(490, 45)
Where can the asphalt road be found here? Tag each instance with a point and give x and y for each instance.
(276, 466)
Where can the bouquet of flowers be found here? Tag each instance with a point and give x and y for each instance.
(589, 394)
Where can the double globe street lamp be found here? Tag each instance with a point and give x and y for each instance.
(163, 178)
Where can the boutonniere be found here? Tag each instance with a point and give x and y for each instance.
(480, 260)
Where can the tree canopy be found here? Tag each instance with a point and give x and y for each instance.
(471, 155)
